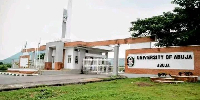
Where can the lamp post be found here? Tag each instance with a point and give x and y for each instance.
(39, 53)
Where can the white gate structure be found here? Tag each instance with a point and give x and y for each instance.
(98, 65)
(37, 64)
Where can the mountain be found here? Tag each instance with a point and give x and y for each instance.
(15, 57)
(9, 59)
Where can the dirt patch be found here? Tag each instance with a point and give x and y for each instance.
(142, 84)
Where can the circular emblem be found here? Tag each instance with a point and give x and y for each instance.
(130, 61)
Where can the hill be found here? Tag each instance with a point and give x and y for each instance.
(17, 55)
(14, 57)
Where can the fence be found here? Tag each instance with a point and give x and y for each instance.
(15, 63)
(97, 65)
(37, 64)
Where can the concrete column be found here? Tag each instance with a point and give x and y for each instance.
(13, 63)
(79, 65)
(106, 62)
(59, 56)
(81, 56)
(33, 59)
(33, 56)
(106, 53)
(116, 57)
(48, 58)
(48, 54)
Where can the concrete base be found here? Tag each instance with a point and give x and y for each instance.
(160, 78)
(186, 78)
(48, 66)
(58, 65)
(24, 71)
(58, 72)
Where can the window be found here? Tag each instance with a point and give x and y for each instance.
(86, 51)
(69, 59)
(76, 60)
(52, 59)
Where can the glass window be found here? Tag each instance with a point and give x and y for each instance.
(52, 59)
(76, 60)
(69, 59)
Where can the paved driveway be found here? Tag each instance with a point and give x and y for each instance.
(8, 79)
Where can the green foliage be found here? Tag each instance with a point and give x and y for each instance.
(123, 89)
(1, 63)
(180, 27)
(41, 56)
(8, 65)
(3, 67)
(44, 94)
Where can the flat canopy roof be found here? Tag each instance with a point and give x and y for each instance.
(110, 42)
(99, 48)
(100, 43)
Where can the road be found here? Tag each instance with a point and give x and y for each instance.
(8, 79)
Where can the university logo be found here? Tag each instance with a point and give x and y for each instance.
(130, 61)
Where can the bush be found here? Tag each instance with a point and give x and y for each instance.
(8, 65)
(3, 67)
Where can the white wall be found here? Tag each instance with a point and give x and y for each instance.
(143, 45)
(162, 60)
(23, 62)
(81, 56)
(69, 51)
(53, 58)
(140, 45)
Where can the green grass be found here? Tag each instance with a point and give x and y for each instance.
(123, 89)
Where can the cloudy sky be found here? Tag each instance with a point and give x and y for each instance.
(92, 20)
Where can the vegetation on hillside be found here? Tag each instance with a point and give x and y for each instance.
(4, 67)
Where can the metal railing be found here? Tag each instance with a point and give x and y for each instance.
(97, 65)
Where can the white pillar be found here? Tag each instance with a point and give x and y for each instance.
(35, 58)
(97, 66)
(116, 57)
(13, 63)
(106, 62)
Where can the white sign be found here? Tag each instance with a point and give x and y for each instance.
(24, 62)
(172, 60)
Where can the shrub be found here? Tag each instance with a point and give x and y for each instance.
(3, 67)
(8, 65)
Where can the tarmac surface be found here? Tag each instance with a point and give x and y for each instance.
(8, 79)
(12, 82)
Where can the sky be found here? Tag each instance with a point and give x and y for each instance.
(92, 20)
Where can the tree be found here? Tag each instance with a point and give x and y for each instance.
(41, 56)
(1, 63)
(179, 27)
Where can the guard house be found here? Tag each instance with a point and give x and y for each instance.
(59, 56)
(70, 55)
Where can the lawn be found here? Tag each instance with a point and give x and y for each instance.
(122, 89)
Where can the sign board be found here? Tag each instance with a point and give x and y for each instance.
(172, 60)
(23, 62)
